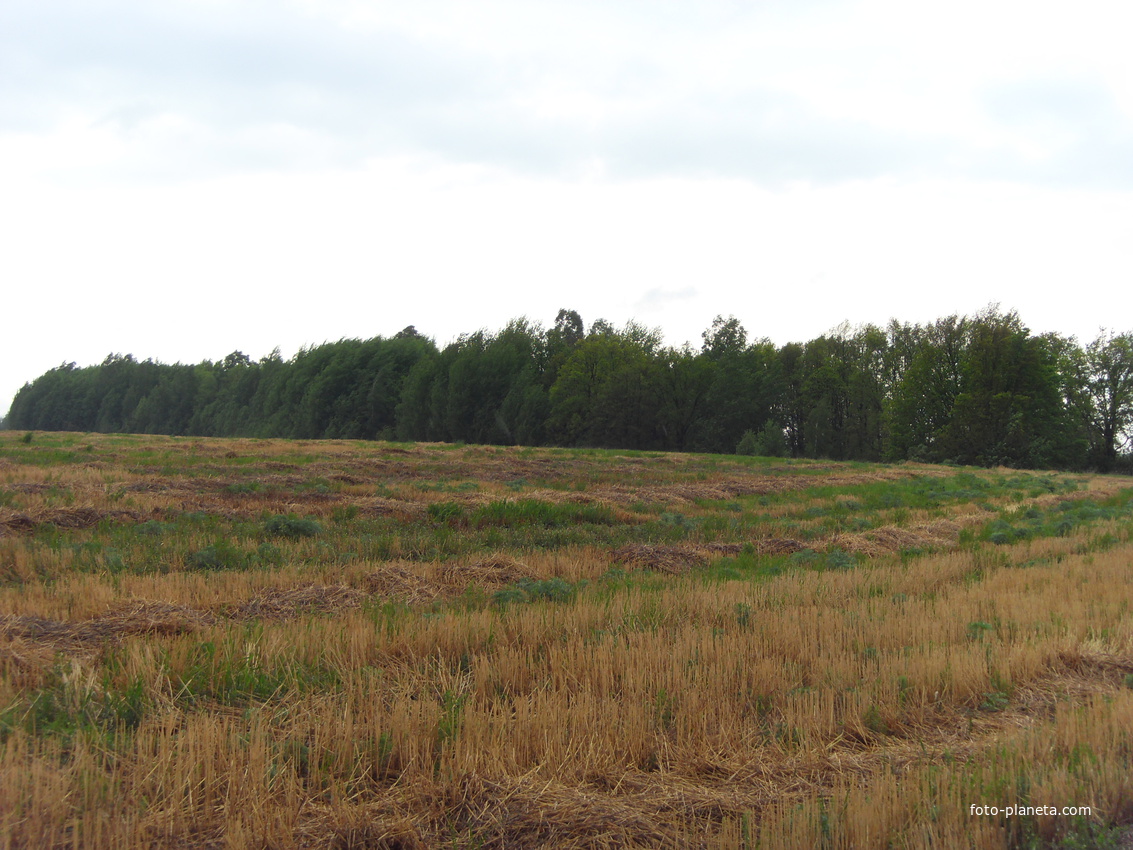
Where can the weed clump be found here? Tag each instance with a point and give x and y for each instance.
(448, 512)
(67, 705)
(675, 519)
(221, 555)
(533, 512)
(1058, 521)
(291, 526)
(835, 559)
(344, 514)
(532, 590)
(244, 488)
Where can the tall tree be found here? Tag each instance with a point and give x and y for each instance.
(867, 353)
(390, 368)
(684, 384)
(415, 415)
(1009, 411)
(793, 407)
(1102, 396)
(825, 387)
(606, 391)
(923, 398)
(745, 388)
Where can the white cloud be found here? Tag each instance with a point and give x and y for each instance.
(826, 91)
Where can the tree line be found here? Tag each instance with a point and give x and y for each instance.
(979, 390)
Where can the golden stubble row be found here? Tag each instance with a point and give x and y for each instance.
(754, 685)
(1080, 757)
(76, 596)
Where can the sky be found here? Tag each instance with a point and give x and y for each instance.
(180, 180)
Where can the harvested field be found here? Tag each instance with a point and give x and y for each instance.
(341, 644)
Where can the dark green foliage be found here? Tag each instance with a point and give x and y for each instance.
(743, 614)
(1098, 382)
(977, 630)
(836, 559)
(745, 386)
(607, 392)
(221, 555)
(509, 595)
(925, 389)
(530, 590)
(450, 512)
(972, 390)
(344, 389)
(483, 388)
(345, 514)
(291, 526)
(769, 442)
(551, 589)
(244, 487)
(1008, 411)
(874, 722)
(995, 701)
(749, 444)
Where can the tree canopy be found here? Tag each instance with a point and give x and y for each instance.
(966, 389)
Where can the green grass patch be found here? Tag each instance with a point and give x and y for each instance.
(232, 673)
(291, 526)
(534, 512)
(70, 704)
(535, 590)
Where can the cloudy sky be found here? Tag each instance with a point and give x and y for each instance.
(182, 179)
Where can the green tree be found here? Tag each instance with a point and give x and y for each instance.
(61, 399)
(522, 415)
(684, 384)
(606, 391)
(415, 417)
(794, 408)
(745, 389)
(1009, 411)
(867, 389)
(1101, 395)
(483, 373)
(390, 367)
(824, 395)
(923, 397)
(168, 407)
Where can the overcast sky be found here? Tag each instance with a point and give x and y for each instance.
(182, 179)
